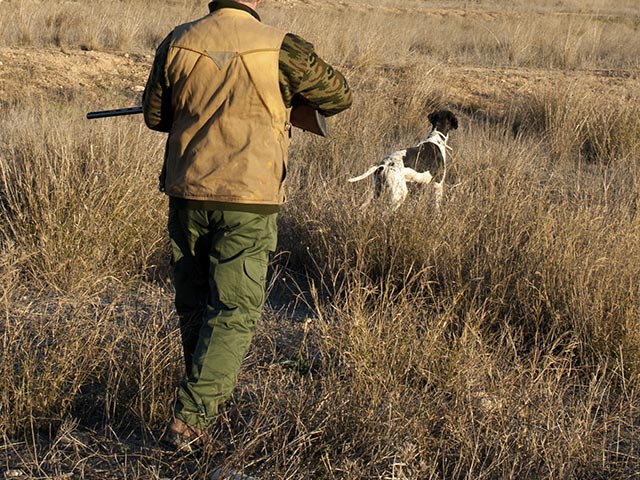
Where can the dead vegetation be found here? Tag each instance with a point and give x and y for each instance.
(499, 340)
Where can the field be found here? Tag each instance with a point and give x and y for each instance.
(497, 340)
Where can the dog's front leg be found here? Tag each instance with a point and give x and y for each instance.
(439, 189)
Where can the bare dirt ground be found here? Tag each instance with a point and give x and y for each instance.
(99, 75)
(55, 73)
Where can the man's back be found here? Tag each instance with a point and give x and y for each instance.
(228, 139)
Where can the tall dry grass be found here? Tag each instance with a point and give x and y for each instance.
(79, 196)
(498, 339)
(544, 34)
(492, 38)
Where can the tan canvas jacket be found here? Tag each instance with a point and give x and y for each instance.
(226, 118)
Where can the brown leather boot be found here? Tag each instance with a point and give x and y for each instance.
(185, 437)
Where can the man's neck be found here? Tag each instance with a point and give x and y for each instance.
(244, 6)
(251, 5)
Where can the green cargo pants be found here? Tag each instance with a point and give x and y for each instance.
(220, 265)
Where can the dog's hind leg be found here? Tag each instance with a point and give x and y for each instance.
(376, 192)
(367, 201)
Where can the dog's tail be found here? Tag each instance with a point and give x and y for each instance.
(371, 171)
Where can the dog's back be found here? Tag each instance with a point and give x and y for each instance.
(426, 156)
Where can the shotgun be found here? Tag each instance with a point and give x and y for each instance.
(114, 113)
(303, 117)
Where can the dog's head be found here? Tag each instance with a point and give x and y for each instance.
(443, 121)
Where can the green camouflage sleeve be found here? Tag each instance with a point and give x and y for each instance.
(156, 97)
(307, 78)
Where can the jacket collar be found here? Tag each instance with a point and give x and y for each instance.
(219, 4)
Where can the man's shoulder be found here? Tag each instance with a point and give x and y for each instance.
(227, 19)
(296, 48)
(184, 28)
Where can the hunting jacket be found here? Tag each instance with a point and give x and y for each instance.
(222, 87)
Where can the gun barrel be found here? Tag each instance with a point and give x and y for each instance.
(114, 113)
(303, 117)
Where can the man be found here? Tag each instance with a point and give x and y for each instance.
(221, 86)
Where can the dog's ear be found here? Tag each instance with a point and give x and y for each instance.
(433, 116)
(453, 120)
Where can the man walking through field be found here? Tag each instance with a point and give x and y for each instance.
(221, 87)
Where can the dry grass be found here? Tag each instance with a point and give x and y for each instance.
(546, 34)
(498, 340)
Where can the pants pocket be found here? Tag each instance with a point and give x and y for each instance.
(255, 270)
(241, 282)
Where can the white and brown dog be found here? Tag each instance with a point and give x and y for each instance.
(424, 163)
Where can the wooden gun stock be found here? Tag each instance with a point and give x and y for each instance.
(306, 118)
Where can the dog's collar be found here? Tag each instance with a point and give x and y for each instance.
(439, 139)
(436, 136)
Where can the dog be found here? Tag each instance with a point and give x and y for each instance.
(423, 163)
